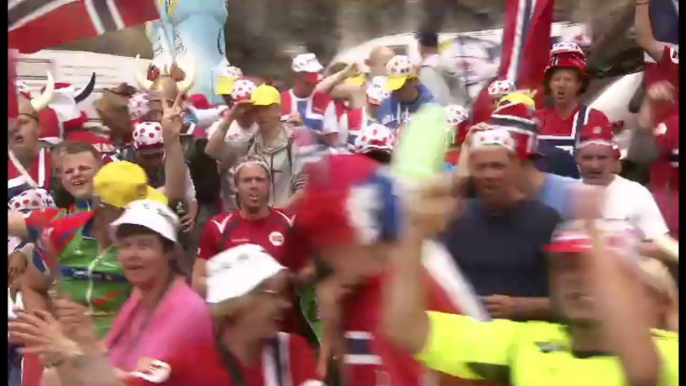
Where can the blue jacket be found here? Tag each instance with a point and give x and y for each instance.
(393, 112)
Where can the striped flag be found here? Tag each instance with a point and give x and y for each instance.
(12, 103)
(39, 24)
(525, 50)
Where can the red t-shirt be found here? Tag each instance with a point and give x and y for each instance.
(288, 362)
(371, 359)
(562, 132)
(228, 230)
(666, 69)
(664, 173)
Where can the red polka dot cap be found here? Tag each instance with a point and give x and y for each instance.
(147, 135)
(31, 199)
(242, 89)
(456, 114)
(492, 138)
(501, 88)
(374, 137)
(139, 105)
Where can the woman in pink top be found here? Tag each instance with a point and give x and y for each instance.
(165, 334)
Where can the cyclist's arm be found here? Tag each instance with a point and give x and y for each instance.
(468, 348)
(621, 302)
(644, 31)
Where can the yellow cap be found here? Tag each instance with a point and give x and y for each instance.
(265, 95)
(519, 97)
(356, 80)
(121, 182)
(225, 85)
(395, 82)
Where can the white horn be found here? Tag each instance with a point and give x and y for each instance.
(42, 101)
(141, 79)
(188, 81)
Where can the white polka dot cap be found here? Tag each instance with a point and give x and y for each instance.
(147, 135)
(566, 48)
(139, 105)
(31, 199)
(456, 114)
(375, 90)
(500, 88)
(398, 70)
(242, 89)
(374, 137)
(306, 63)
(492, 138)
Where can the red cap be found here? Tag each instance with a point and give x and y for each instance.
(601, 135)
(519, 119)
(326, 198)
(199, 101)
(571, 60)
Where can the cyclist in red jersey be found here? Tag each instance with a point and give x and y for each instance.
(79, 163)
(566, 79)
(351, 216)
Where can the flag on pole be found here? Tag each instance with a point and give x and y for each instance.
(12, 104)
(39, 24)
(525, 50)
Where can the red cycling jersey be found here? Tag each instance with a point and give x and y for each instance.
(664, 173)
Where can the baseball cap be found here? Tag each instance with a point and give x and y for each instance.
(399, 70)
(265, 95)
(121, 182)
(150, 214)
(237, 271)
(309, 65)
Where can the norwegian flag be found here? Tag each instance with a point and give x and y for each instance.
(525, 49)
(12, 104)
(39, 24)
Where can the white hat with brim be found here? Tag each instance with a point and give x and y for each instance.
(150, 214)
(306, 63)
(237, 271)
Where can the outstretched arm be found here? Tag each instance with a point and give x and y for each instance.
(644, 31)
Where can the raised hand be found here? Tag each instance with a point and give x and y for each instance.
(75, 320)
(661, 92)
(40, 333)
(172, 118)
(237, 111)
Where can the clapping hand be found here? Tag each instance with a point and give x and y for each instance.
(40, 333)
(75, 320)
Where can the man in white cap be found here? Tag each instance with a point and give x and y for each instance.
(407, 93)
(301, 105)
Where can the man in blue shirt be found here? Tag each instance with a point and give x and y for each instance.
(550, 189)
(407, 96)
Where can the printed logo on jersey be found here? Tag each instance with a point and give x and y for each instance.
(152, 370)
(674, 55)
(276, 238)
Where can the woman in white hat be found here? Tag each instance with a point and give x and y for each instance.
(165, 334)
(150, 340)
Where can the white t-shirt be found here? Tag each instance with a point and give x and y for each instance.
(630, 201)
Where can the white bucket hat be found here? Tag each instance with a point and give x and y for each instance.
(306, 63)
(152, 215)
(237, 271)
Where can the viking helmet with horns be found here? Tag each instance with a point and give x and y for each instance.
(33, 106)
(166, 79)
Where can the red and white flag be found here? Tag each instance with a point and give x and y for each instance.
(12, 103)
(525, 50)
(39, 24)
